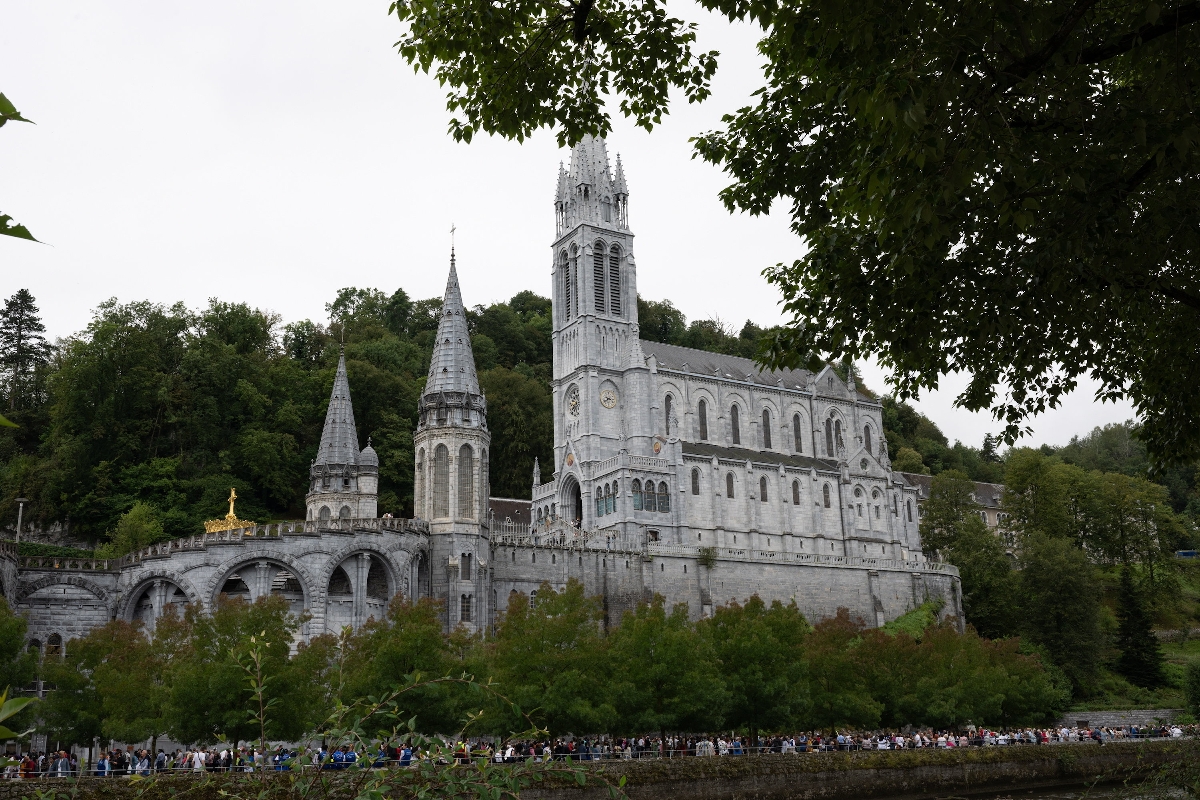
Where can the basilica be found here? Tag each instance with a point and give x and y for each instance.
(692, 475)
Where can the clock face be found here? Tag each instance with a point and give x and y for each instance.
(573, 402)
(608, 398)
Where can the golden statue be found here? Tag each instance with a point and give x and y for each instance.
(231, 522)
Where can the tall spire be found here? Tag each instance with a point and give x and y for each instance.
(339, 439)
(588, 192)
(452, 367)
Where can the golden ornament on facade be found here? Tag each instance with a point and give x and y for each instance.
(231, 522)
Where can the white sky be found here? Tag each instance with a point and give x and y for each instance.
(273, 152)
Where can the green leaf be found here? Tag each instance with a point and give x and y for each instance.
(8, 111)
(6, 423)
(7, 228)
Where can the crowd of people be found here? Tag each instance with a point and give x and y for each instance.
(119, 762)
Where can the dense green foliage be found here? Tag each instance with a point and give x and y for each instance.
(135, 429)
(998, 189)
(752, 667)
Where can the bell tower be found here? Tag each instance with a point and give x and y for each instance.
(450, 480)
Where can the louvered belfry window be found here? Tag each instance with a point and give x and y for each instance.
(598, 277)
(614, 281)
(441, 482)
(566, 270)
(466, 482)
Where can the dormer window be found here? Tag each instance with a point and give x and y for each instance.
(606, 210)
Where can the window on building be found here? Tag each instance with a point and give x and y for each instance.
(825, 494)
(636, 490)
(606, 210)
(859, 507)
(867, 441)
(829, 437)
(649, 499)
(729, 485)
(466, 482)
(598, 271)
(909, 504)
(345, 483)
(532, 598)
(441, 482)
(464, 562)
(762, 489)
(325, 514)
(54, 645)
(876, 512)
(766, 429)
(837, 434)
(795, 493)
(614, 281)
(695, 481)
(702, 420)
(419, 481)
(344, 512)
(612, 503)
(797, 433)
(733, 425)
(667, 403)
(664, 497)
(599, 502)
(465, 610)
(565, 266)
(895, 506)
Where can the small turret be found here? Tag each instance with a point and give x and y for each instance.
(537, 472)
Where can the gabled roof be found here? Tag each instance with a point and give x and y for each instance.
(702, 362)
(987, 495)
(706, 450)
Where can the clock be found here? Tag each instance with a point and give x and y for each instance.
(573, 402)
(608, 398)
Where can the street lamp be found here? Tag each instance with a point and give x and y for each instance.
(21, 501)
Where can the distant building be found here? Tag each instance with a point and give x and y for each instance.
(987, 495)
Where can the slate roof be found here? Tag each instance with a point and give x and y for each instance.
(508, 508)
(452, 367)
(702, 362)
(339, 438)
(987, 495)
(706, 450)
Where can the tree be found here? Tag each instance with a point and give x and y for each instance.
(951, 503)
(1141, 659)
(18, 666)
(664, 673)
(138, 527)
(520, 417)
(1002, 190)
(1058, 593)
(23, 348)
(759, 653)
(1192, 688)
(549, 657)
(988, 580)
(73, 710)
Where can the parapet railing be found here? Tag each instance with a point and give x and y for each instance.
(8, 550)
(779, 557)
(202, 541)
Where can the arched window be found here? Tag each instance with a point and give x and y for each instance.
(325, 514)
(702, 419)
(441, 482)
(606, 209)
(485, 481)
(797, 434)
(837, 434)
(598, 276)
(616, 490)
(599, 502)
(649, 499)
(465, 566)
(54, 645)
(636, 490)
(795, 493)
(729, 485)
(762, 489)
(733, 425)
(664, 498)
(419, 479)
(566, 273)
(695, 481)
(466, 482)
(344, 512)
(895, 506)
(667, 413)
(766, 429)
(573, 296)
(909, 504)
(870, 445)
(825, 494)
(532, 596)
(614, 281)
(829, 437)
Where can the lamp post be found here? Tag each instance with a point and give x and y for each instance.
(21, 501)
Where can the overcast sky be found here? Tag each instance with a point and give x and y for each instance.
(272, 152)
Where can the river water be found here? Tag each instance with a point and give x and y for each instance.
(1110, 792)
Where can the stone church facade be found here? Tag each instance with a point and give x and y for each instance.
(678, 472)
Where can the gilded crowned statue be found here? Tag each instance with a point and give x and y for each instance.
(231, 522)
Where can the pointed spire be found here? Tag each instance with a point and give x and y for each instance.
(563, 191)
(537, 472)
(339, 439)
(452, 367)
(619, 185)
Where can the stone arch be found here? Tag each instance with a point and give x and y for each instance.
(125, 606)
(308, 584)
(570, 501)
(100, 592)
